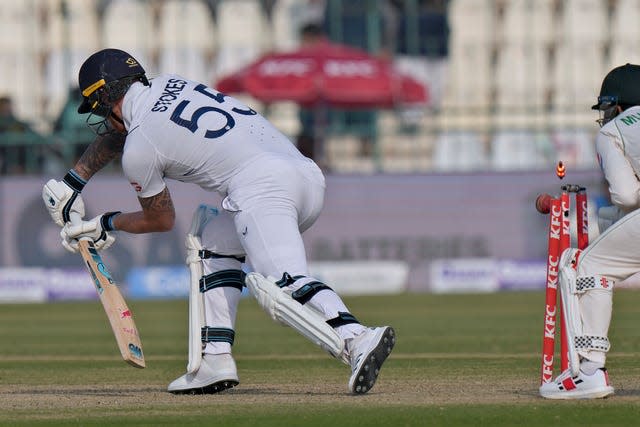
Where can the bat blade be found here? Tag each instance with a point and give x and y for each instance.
(116, 308)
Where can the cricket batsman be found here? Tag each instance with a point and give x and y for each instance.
(174, 128)
(587, 278)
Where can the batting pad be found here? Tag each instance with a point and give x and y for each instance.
(201, 217)
(282, 308)
(571, 290)
(196, 303)
(572, 322)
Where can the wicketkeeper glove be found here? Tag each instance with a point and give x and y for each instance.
(98, 229)
(62, 198)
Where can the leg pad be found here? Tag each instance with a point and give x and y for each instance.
(283, 308)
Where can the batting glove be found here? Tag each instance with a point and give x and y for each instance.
(97, 229)
(62, 198)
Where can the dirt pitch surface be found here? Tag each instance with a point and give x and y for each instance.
(426, 390)
(386, 393)
(413, 393)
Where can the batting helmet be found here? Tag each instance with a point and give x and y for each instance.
(105, 77)
(621, 86)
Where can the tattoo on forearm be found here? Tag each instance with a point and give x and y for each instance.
(103, 150)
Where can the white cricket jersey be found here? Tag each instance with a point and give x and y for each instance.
(184, 130)
(618, 148)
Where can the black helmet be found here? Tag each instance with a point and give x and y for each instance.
(621, 86)
(106, 76)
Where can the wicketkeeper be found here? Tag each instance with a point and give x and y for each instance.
(587, 277)
(175, 128)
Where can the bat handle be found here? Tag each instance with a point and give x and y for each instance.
(75, 219)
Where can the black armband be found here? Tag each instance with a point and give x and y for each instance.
(107, 221)
(75, 181)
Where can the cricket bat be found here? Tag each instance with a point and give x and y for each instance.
(114, 305)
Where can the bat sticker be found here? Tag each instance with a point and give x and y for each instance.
(101, 267)
(95, 279)
(135, 350)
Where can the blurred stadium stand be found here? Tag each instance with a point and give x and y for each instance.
(511, 81)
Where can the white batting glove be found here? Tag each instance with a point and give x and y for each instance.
(62, 198)
(98, 229)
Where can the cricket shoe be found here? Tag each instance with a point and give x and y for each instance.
(582, 386)
(367, 353)
(217, 372)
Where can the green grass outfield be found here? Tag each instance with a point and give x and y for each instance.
(460, 360)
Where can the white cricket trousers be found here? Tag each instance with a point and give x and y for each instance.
(612, 255)
(268, 206)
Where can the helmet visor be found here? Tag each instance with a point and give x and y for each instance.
(101, 126)
(604, 102)
(608, 109)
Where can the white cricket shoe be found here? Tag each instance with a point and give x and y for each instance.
(217, 372)
(367, 353)
(581, 387)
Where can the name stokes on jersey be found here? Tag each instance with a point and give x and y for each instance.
(170, 93)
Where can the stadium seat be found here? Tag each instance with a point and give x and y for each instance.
(22, 72)
(469, 78)
(459, 151)
(70, 39)
(522, 84)
(528, 21)
(187, 39)
(19, 29)
(624, 21)
(243, 33)
(625, 34)
(342, 155)
(583, 21)
(76, 29)
(519, 150)
(622, 52)
(61, 73)
(462, 91)
(189, 63)
(577, 76)
(405, 152)
(575, 147)
(472, 21)
(186, 23)
(128, 25)
(580, 58)
(21, 47)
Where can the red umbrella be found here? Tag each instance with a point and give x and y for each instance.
(326, 73)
